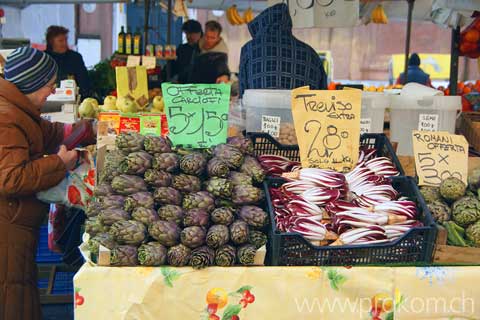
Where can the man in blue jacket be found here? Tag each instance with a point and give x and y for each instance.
(275, 59)
(415, 73)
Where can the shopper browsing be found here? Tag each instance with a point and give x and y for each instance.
(187, 52)
(415, 73)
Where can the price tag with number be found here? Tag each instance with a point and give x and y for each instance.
(438, 156)
(197, 114)
(327, 124)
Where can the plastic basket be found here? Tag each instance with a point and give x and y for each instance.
(44, 255)
(416, 246)
(62, 284)
(263, 143)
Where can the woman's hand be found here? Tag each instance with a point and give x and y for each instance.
(223, 79)
(69, 158)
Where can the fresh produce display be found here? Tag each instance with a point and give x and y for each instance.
(470, 40)
(331, 208)
(234, 17)
(456, 206)
(159, 205)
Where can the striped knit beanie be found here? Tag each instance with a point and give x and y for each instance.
(29, 69)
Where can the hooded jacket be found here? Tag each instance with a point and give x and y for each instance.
(275, 59)
(25, 140)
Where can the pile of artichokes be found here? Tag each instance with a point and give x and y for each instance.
(156, 205)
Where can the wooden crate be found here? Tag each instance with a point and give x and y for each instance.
(470, 128)
(445, 254)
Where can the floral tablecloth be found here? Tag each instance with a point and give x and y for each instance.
(278, 293)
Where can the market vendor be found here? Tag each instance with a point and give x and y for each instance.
(275, 59)
(70, 63)
(30, 161)
(415, 73)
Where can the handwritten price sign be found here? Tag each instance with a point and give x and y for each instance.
(327, 124)
(438, 156)
(197, 114)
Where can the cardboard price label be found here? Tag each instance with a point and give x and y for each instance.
(327, 123)
(438, 156)
(197, 114)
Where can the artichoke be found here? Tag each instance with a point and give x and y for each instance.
(112, 202)
(170, 212)
(227, 203)
(253, 168)
(219, 187)
(238, 178)
(186, 183)
(102, 190)
(246, 254)
(243, 144)
(225, 256)
(124, 256)
(217, 236)
(466, 211)
(452, 189)
(145, 215)
(257, 238)
(179, 255)
(129, 142)
(136, 163)
(165, 161)
(128, 232)
(140, 199)
(128, 184)
(154, 144)
(440, 211)
(223, 216)
(430, 194)
(244, 194)
(202, 257)
(109, 216)
(216, 167)
(253, 216)
(199, 200)
(193, 163)
(152, 254)
(193, 237)
(474, 180)
(167, 195)
(111, 166)
(196, 217)
(166, 233)
(239, 232)
(104, 239)
(157, 178)
(93, 209)
(230, 154)
(473, 233)
(93, 227)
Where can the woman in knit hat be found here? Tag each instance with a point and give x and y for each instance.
(29, 162)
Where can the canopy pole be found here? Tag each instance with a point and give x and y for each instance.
(454, 60)
(169, 34)
(146, 27)
(407, 40)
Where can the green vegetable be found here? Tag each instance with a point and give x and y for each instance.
(454, 234)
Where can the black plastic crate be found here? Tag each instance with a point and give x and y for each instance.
(416, 246)
(264, 143)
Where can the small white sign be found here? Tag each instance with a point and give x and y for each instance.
(365, 125)
(133, 61)
(271, 125)
(428, 122)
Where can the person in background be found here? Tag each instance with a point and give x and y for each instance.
(415, 73)
(187, 52)
(31, 160)
(70, 63)
(275, 59)
(211, 65)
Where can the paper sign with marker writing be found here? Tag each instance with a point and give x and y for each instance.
(197, 114)
(327, 123)
(438, 156)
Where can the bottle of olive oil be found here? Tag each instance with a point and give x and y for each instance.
(137, 42)
(128, 42)
(121, 41)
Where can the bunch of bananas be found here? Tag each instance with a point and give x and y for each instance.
(236, 19)
(378, 15)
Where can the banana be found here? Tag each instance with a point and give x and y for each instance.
(248, 15)
(236, 16)
(378, 15)
(229, 16)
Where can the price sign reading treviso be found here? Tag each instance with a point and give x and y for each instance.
(197, 114)
(327, 124)
(438, 156)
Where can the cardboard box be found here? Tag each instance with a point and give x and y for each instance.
(69, 114)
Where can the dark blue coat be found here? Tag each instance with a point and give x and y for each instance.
(415, 74)
(275, 59)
